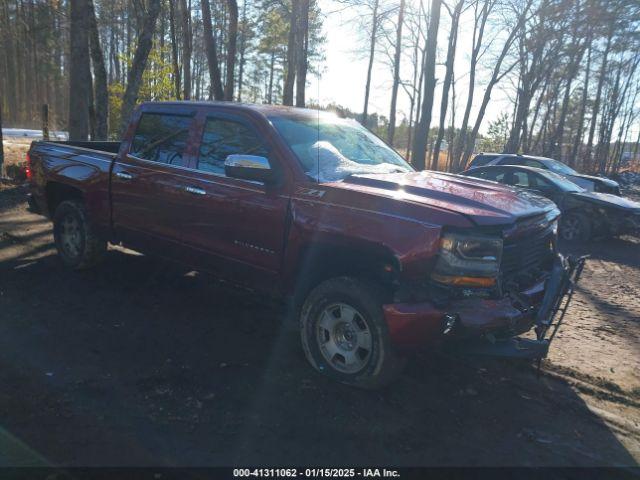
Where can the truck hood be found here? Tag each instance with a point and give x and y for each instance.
(483, 203)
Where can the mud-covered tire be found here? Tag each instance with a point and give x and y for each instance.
(79, 247)
(575, 227)
(381, 365)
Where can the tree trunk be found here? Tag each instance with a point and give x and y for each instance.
(101, 94)
(422, 130)
(372, 52)
(287, 92)
(448, 78)
(478, 35)
(496, 75)
(271, 72)
(596, 104)
(1, 146)
(301, 55)
(574, 65)
(187, 39)
(583, 106)
(231, 48)
(243, 43)
(216, 92)
(134, 78)
(174, 50)
(396, 75)
(11, 69)
(79, 84)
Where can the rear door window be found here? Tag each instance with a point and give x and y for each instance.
(496, 175)
(519, 179)
(162, 138)
(222, 138)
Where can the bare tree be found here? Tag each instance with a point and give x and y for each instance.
(134, 78)
(372, 52)
(287, 93)
(396, 74)
(174, 50)
(79, 80)
(187, 43)
(215, 80)
(538, 46)
(231, 48)
(497, 74)
(101, 94)
(481, 15)
(448, 77)
(302, 44)
(420, 141)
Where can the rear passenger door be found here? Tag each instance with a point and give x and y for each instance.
(235, 226)
(148, 184)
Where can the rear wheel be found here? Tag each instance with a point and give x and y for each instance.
(575, 227)
(76, 241)
(344, 334)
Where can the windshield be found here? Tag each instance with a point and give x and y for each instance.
(560, 167)
(562, 183)
(330, 148)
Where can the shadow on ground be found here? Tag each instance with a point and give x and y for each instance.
(139, 362)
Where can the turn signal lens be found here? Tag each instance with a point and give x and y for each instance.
(464, 281)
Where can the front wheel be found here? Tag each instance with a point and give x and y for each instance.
(344, 335)
(575, 227)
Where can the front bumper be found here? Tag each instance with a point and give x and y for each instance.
(487, 326)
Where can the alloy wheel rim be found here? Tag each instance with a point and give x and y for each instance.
(70, 236)
(571, 228)
(344, 338)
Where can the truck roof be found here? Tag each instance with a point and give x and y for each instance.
(264, 109)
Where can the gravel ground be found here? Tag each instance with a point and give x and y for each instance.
(139, 362)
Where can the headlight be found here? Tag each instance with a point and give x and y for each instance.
(468, 260)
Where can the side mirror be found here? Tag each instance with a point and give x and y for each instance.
(249, 167)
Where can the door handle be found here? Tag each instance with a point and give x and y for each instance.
(124, 175)
(195, 190)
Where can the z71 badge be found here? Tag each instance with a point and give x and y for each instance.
(310, 192)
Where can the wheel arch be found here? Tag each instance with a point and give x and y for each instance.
(57, 192)
(321, 261)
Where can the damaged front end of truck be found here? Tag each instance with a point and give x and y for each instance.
(487, 288)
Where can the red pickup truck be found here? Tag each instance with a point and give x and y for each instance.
(377, 259)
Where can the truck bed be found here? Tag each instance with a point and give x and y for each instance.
(82, 167)
(106, 147)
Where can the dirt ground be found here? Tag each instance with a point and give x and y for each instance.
(141, 363)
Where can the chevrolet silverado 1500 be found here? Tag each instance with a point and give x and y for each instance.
(376, 258)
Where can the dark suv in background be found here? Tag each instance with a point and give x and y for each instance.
(588, 182)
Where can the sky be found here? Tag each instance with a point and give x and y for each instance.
(345, 67)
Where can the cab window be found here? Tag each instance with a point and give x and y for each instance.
(222, 138)
(162, 138)
(518, 179)
(495, 175)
